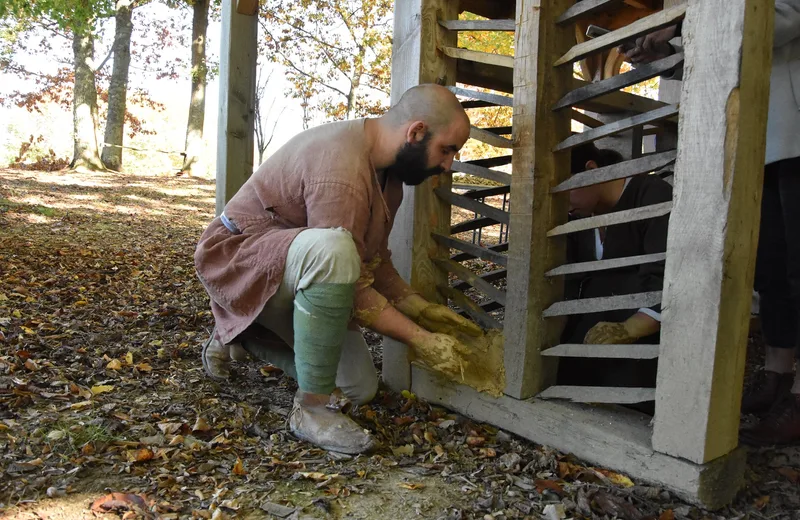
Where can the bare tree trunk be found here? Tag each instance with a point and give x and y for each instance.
(197, 106)
(86, 154)
(118, 89)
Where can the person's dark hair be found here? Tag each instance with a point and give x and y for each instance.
(589, 152)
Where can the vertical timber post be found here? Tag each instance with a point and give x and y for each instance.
(713, 229)
(535, 170)
(237, 87)
(416, 59)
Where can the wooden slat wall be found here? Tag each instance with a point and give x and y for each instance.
(237, 90)
(495, 99)
(487, 58)
(474, 250)
(618, 171)
(478, 207)
(604, 351)
(586, 8)
(638, 28)
(478, 25)
(605, 303)
(610, 219)
(637, 75)
(611, 263)
(618, 126)
(470, 307)
(482, 172)
(599, 394)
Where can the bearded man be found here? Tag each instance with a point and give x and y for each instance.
(299, 260)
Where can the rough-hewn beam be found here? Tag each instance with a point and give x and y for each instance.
(237, 87)
(713, 228)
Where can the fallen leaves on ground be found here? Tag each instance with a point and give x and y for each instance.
(101, 388)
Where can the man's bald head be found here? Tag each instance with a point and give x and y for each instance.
(432, 104)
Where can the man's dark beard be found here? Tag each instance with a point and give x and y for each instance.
(410, 165)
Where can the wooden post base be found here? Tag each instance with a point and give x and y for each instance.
(611, 437)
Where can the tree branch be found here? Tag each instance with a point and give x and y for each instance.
(309, 76)
(313, 37)
(105, 60)
(288, 62)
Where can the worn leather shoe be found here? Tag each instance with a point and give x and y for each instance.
(771, 388)
(216, 358)
(780, 427)
(327, 426)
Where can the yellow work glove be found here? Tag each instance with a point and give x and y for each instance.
(435, 317)
(439, 318)
(610, 333)
(441, 352)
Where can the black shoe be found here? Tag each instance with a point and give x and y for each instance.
(770, 389)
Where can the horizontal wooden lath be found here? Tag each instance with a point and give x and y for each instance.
(478, 25)
(472, 205)
(586, 8)
(488, 58)
(603, 351)
(498, 130)
(631, 31)
(469, 225)
(486, 192)
(600, 394)
(473, 249)
(482, 75)
(618, 126)
(462, 273)
(491, 276)
(584, 119)
(470, 307)
(602, 304)
(491, 162)
(602, 265)
(612, 219)
(495, 99)
(473, 103)
(614, 83)
(482, 172)
(490, 138)
(616, 101)
(621, 170)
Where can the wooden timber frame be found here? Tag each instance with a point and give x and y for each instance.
(711, 132)
(709, 136)
(237, 94)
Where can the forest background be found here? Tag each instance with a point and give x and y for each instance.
(132, 85)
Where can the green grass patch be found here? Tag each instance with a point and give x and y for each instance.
(9, 205)
(69, 438)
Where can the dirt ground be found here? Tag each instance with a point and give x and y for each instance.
(102, 391)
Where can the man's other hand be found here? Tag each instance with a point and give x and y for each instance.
(652, 47)
(608, 333)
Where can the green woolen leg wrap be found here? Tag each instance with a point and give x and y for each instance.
(321, 315)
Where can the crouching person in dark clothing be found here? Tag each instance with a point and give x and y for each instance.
(643, 237)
